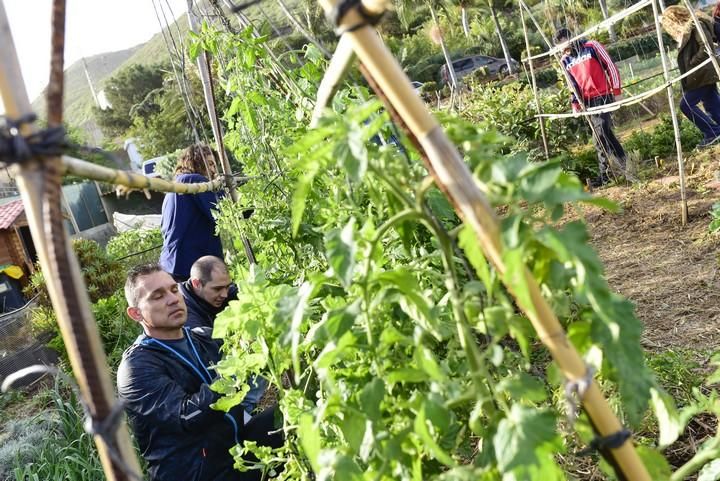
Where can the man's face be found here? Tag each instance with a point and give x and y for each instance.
(160, 306)
(214, 291)
(563, 45)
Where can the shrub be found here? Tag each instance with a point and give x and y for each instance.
(510, 109)
(135, 246)
(661, 141)
(104, 278)
(102, 274)
(117, 330)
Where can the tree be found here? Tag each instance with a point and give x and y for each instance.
(492, 7)
(127, 92)
(404, 6)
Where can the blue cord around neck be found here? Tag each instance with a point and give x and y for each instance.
(207, 378)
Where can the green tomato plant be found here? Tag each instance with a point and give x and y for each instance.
(395, 349)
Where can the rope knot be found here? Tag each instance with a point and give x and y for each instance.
(337, 14)
(16, 148)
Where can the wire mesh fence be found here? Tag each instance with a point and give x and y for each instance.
(19, 348)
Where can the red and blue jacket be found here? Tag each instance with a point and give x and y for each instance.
(591, 71)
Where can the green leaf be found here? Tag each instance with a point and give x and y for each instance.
(408, 374)
(334, 324)
(412, 301)
(709, 472)
(537, 179)
(669, 422)
(353, 428)
(340, 252)
(356, 163)
(304, 183)
(515, 276)
(428, 439)
(371, 397)
(655, 463)
(333, 352)
(520, 434)
(426, 361)
(469, 243)
(298, 315)
(523, 386)
(309, 436)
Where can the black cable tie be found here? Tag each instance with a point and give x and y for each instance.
(575, 393)
(16, 148)
(603, 444)
(337, 14)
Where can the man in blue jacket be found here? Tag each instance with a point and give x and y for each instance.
(206, 294)
(164, 380)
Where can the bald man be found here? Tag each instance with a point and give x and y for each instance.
(207, 292)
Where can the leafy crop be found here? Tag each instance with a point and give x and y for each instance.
(404, 356)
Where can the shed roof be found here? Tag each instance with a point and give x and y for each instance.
(9, 212)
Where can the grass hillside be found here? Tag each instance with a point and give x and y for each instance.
(78, 98)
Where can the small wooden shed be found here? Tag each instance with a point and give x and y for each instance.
(16, 245)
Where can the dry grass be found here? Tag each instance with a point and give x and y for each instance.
(668, 270)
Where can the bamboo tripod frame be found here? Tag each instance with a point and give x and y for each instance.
(85, 351)
(614, 106)
(453, 176)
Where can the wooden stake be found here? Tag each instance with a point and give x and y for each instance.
(673, 113)
(204, 69)
(541, 121)
(336, 70)
(58, 262)
(455, 179)
(87, 170)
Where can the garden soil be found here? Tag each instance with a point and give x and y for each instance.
(668, 270)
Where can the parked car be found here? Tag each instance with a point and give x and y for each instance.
(467, 65)
(417, 86)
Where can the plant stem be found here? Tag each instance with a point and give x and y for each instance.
(477, 370)
(707, 454)
(397, 218)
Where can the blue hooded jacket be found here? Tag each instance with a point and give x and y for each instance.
(188, 228)
(167, 398)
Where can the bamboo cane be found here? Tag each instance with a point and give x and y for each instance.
(673, 114)
(454, 177)
(203, 68)
(88, 170)
(541, 121)
(339, 64)
(77, 325)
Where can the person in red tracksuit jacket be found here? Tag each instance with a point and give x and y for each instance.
(596, 79)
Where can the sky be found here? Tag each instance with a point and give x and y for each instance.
(91, 27)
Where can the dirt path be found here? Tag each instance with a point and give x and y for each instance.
(669, 271)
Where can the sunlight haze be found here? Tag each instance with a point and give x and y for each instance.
(92, 27)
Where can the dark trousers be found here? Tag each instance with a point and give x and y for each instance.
(606, 144)
(261, 428)
(708, 123)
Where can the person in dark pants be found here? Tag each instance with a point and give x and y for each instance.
(595, 82)
(164, 382)
(187, 224)
(701, 86)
